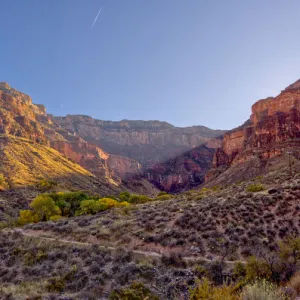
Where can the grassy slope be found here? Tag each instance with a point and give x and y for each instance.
(24, 163)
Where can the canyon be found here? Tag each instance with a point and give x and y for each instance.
(125, 154)
(171, 158)
(147, 156)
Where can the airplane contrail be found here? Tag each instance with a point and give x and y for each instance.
(96, 17)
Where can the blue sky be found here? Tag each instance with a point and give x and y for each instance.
(188, 62)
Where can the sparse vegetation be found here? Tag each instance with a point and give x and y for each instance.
(207, 291)
(46, 185)
(256, 187)
(244, 243)
(262, 290)
(2, 179)
(136, 291)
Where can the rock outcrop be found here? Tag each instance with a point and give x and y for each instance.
(272, 130)
(97, 161)
(18, 114)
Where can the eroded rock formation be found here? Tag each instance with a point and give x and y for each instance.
(273, 129)
(172, 158)
(18, 114)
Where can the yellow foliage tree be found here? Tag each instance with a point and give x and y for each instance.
(27, 216)
(44, 206)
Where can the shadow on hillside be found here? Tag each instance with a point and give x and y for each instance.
(183, 171)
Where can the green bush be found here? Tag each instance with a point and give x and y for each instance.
(239, 271)
(2, 179)
(136, 199)
(162, 193)
(69, 203)
(137, 291)
(124, 196)
(56, 284)
(44, 207)
(255, 188)
(27, 216)
(289, 250)
(54, 206)
(207, 291)
(55, 218)
(45, 185)
(95, 206)
(257, 269)
(164, 197)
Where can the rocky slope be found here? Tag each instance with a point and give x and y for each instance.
(25, 155)
(170, 157)
(272, 131)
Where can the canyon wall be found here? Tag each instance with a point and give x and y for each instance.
(272, 130)
(169, 157)
(172, 158)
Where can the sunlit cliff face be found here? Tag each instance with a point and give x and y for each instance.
(274, 121)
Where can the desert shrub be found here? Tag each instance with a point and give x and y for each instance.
(135, 199)
(262, 290)
(27, 216)
(175, 259)
(55, 218)
(162, 193)
(44, 207)
(56, 284)
(215, 272)
(205, 190)
(215, 188)
(200, 271)
(257, 269)
(289, 250)
(136, 291)
(295, 283)
(45, 185)
(256, 187)
(207, 291)
(2, 179)
(124, 196)
(164, 197)
(239, 270)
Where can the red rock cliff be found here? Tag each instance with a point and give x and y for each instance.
(18, 114)
(273, 126)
